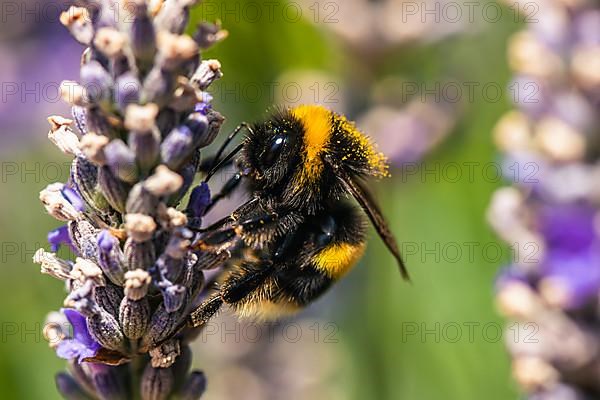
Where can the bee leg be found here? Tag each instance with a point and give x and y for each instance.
(205, 311)
(236, 287)
(225, 220)
(223, 236)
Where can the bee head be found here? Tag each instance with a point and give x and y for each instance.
(271, 149)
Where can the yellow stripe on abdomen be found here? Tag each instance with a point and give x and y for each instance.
(336, 260)
(266, 310)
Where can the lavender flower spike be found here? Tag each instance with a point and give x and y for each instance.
(141, 116)
(553, 284)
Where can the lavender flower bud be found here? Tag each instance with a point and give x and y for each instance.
(143, 36)
(164, 356)
(173, 16)
(170, 269)
(182, 364)
(73, 93)
(141, 118)
(141, 201)
(197, 204)
(63, 136)
(144, 139)
(52, 265)
(140, 227)
(139, 255)
(170, 218)
(83, 235)
(166, 120)
(208, 72)
(162, 324)
(78, 22)
(110, 257)
(136, 285)
(96, 81)
(110, 42)
(79, 372)
(174, 297)
(157, 383)
(175, 50)
(207, 34)
(108, 381)
(85, 270)
(69, 388)
(199, 125)
(158, 86)
(127, 91)
(109, 297)
(177, 147)
(105, 329)
(194, 386)
(84, 175)
(215, 121)
(182, 141)
(134, 312)
(79, 116)
(121, 161)
(146, 146)
(115, 191)
(163, 182)
(98, 122)
(56, 204)
(185, 96)
(93, 146)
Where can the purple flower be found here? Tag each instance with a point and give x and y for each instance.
(106, 241)
(60, 236)
(82, 345)
(204, 106)
(199, 201)
(74, 198)
(177, 146)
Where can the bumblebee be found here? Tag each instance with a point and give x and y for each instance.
(299, 165)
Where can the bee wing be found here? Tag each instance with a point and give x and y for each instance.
(369, 205)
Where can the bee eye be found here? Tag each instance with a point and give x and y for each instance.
(272, 153)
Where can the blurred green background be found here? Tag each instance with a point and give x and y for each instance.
(375, 311)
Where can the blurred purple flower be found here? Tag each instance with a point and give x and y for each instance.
(568, 227)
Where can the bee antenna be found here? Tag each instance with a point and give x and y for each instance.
(228, 140)
(223, 161)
